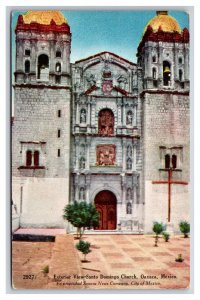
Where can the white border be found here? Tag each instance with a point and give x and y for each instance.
(4, 52)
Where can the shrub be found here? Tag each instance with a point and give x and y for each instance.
(158, 228)
(184, 228)
(179, 258)
(45, 269)
(166, 236)
(83, 247)
(81, 215)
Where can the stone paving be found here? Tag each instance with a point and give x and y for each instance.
(116, 262)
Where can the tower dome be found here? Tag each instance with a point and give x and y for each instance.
(44, 17)
(163, 21)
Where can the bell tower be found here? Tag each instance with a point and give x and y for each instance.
(163, 53)
(41, 127)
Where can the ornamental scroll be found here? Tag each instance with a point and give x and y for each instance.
(106, 122)
(106, 155)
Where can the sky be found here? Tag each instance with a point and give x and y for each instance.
(116, 31)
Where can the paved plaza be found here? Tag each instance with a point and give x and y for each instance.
(116, 262)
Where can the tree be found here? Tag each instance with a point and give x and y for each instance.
(184, 228)
(81, 215)
(83, 247)
(158, 228)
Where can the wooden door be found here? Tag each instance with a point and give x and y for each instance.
(105, 203)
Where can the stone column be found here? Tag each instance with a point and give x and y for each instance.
(186, 63)
(51, 57)
(124, 113)
(176, 68)
(88, 111)
(160, 68)
(123, 184)
(77, 112)
(88, 142)
(76, 187)
(19, 55)
(135, 116)
(76, 142)
(123, 155)
(64, 56)
(134, 155)
(119, 115)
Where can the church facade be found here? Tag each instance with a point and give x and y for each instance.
(103, 129)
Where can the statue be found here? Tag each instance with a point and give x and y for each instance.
(129, 164)
(82, 163)
(129, 118)
(129, 208)
(83, 116)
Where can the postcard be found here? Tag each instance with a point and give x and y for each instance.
(100, 149)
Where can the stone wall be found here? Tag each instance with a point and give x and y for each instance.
(166, 129)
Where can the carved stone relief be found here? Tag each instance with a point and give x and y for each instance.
(106, 155)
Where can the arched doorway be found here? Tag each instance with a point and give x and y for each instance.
(106, 204)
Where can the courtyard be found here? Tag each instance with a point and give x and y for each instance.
(115, 262)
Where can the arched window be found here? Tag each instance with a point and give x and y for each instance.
(154, 75)
(174, 161)
(180, 74)
(43, 67)
(166, 73)
(154, 59)
(58, 67)
(58, 53)
(106, 122)
(28, 158)
(180, 60)
(129, 208)
(167, 161)
(83, 115)
(27, 66)
(82, 163)
(129, 164)
(129, 118)
(36, 158)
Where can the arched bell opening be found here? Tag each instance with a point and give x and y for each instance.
(43, 67)
(166, 73)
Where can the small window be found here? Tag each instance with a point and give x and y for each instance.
(154, 59)
(180, 60)
(27, 52)
(180, 74)
(154, 73)
(167, 161)
(174, 161)
(28, 158)
(58, 133)
(27, 66)
(59, 113)
(58, 53)
(58, 67)
(36, 158)
(58, 152)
